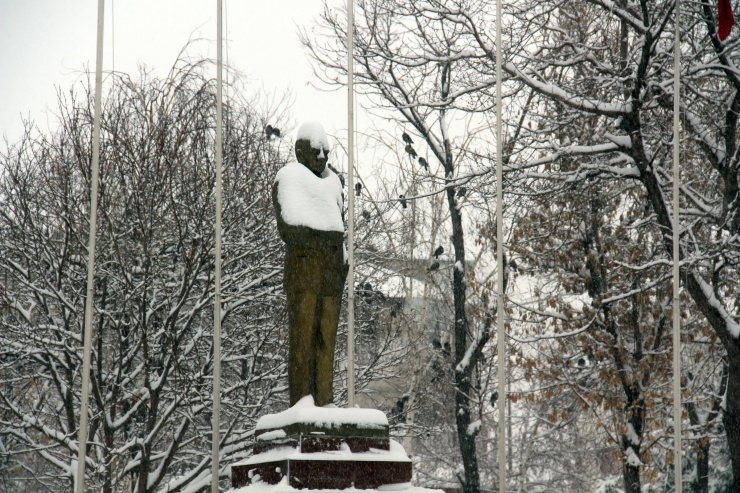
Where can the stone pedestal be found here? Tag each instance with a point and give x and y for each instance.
(324, 448)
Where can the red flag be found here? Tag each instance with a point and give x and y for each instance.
(725, 19)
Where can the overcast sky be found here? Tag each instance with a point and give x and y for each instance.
(50, 43)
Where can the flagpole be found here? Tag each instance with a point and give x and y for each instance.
(350, 206)
(676, 257)
(87, 336)
(215, 425)
(500, 311)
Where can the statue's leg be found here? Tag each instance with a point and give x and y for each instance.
(300, 352)
(302, 300)
(326, 342)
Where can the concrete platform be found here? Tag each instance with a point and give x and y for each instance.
(284, 487)
(327, 448)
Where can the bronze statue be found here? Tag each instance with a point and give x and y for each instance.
(308, 205)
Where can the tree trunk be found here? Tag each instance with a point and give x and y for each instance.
(701, 482)
(635, 410)
(707, 303)
(631, 478)
(731, 417)
(466, 439)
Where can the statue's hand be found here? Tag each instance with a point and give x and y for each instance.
(345, 270)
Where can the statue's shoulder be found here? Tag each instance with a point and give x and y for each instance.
(292, 171)
(330, 175)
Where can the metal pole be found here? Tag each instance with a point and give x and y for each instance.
(87, 337)
(215, 425)
(112, 36)
(676, 257)
(350, 205)
(500, 312)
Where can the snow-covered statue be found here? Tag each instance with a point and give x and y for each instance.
(307, 197)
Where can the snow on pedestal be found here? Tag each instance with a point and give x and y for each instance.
(304, 411)
(328, 448)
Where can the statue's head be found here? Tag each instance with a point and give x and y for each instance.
(312, 147)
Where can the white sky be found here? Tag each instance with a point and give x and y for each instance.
(50, 43)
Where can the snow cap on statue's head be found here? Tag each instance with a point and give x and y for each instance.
(315, 134)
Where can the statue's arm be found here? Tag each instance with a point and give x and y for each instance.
(281, 224)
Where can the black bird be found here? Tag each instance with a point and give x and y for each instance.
(410, 150)
(365, 290)
(400, 409)
(270, 131)
(366, 214)
(402, 199)
(434, 266)
(423, 163)
(439, 251)
(436, 344)
(406, 138)
(494, 398)
(358, 189)
(396, 309)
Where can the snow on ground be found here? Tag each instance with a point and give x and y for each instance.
(284, 487)
(309, 200)
(304, 411)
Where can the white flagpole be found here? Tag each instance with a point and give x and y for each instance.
(500, 312)
(677, 462)
(215, 425)
(350, 205)
(87, 337)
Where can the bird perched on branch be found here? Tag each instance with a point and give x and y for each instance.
(423, 163)
(358, 189)
(406, 138)
(366, 214)
(402, 199)
(434, 266)
(270, 131)
(439, 251)
(410, 151)
(494, 398)
(396, 309)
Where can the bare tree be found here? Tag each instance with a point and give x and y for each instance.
(607, 66)
(412, 61)
(599, 75)
(152, 354)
